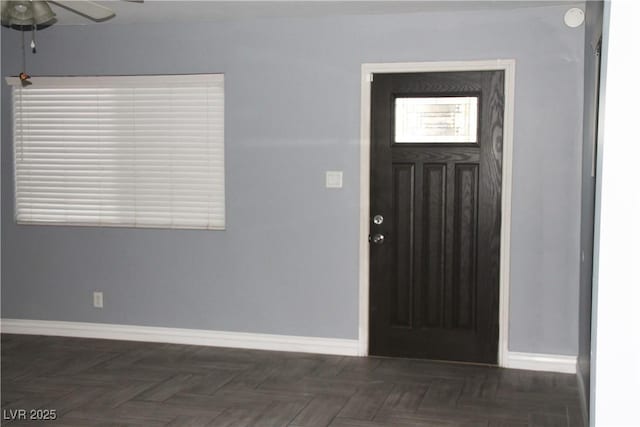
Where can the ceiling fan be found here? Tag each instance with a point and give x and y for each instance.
(37, 13)
(32, 15)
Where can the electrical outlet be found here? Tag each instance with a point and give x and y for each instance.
(97, 299)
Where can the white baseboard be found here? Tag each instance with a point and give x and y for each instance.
(541, 362)
(336, 346)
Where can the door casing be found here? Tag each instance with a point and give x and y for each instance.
(367, 73)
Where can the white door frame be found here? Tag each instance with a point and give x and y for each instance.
(368, 70)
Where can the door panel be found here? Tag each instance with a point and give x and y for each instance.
(464, 248)
(403, 231)
(432, 284)
(435, 276)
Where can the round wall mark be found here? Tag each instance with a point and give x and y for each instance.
(574, 17)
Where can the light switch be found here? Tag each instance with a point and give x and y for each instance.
(334, 179)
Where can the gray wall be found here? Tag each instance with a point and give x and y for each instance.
(288, 261)
(593, 33)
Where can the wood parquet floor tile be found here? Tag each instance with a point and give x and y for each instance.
(118, 383)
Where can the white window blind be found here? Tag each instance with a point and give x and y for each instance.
(132, 151)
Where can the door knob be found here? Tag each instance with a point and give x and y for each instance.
(377, 239)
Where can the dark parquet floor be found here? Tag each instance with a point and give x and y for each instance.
(108, 383)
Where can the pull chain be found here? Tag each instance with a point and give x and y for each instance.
(24, 59)
(24, 77)
(33, 39)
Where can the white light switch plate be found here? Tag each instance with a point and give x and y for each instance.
(97, 300)
(334, 179)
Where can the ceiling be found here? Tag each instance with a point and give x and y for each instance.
(162, 11)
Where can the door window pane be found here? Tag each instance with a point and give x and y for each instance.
(436, 119)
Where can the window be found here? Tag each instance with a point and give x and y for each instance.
(437, 119)
(130, 151)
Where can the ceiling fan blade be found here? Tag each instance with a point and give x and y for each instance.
(86, 8)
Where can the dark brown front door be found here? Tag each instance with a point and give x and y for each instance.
(436, 169)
